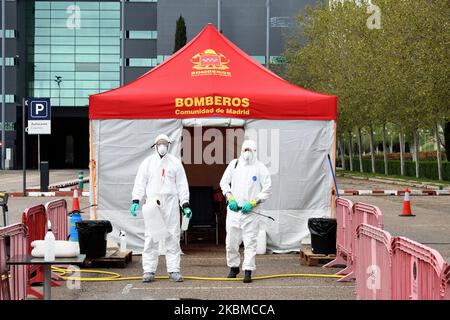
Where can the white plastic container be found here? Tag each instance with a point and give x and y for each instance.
(49, 242)
(184, 223)
(123, 241)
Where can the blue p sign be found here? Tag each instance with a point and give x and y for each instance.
(39, 109)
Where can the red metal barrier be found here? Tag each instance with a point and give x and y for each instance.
(35, 219)
(446, 282)
(417, 272)
(57, 214)
(362, 213)
(373, 267)
(344, 212)
(13, 282)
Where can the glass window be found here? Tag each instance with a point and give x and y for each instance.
(62, 49)
(41, 92)
(39, 66)
(134, 34)
(63, 58)
(110, 58)
(62, 40)
(84, 53)
(107, 85)
(87, 49)
(42, 23)
(42, 58)
(9, 33)
(8, 61)
(62, 66)
(110, 67)
(110, 6)
(110, 14)
(109, 41)
(88, 76)
(142, 62)
(110, 50)
(42, 14)
(87, 41)
(62, 32)
(109, 76)
(42, 5)
(87, 58)
(110, 23)
(91, 5)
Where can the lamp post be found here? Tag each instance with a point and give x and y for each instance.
(58, 80)
(3, 86)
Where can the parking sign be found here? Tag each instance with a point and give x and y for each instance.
(39, 116)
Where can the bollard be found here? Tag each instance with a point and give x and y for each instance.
(80, 180)
(44, 176)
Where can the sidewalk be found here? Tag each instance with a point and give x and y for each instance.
(12, 180)
(410, 182)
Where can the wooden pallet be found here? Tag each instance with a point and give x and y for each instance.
(113, 259)
(308, 258)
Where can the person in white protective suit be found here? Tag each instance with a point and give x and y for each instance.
(161, 176)
(246, 183)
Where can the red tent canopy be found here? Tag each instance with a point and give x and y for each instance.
(211, 77)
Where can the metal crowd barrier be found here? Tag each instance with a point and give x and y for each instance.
(13, 280)
(373, 266)
(344, 212)
(418, 272)
(362, 213)
(57, 214)
(35, 218)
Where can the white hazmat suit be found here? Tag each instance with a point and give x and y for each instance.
(246, 180)
(163, 179)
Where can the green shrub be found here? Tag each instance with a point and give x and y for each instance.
(427, 169)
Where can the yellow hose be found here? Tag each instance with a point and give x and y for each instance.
(114, 276)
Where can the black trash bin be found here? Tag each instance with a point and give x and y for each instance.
(92, 235)
(323, 235)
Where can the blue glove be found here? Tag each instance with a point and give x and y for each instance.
(187, 212)
(249, 205)
(232, 204)
(134, 208)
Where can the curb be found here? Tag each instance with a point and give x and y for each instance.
(47, 194)
(394, 192)
(397, 182)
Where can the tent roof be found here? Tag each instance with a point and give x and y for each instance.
(211, 77)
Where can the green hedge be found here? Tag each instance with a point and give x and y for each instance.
(427, 169)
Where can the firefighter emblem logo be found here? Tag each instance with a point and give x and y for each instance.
(210, 60)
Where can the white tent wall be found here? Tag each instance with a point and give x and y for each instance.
(294, 150)
(120, 146)
(301, 181)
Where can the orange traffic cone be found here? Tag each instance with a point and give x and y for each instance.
(407, 206)
(75, 201)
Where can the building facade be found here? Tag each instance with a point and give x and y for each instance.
(68, 50)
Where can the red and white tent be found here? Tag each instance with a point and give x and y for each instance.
(211, 82)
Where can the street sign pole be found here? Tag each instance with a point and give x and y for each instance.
(39, 122)
(39, 153)
(24, 156)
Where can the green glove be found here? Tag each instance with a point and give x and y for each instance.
(187, 212)
(134, 208)
(232, 204)
(249, 205)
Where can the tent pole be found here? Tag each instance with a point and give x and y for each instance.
(333, 154)
(93, 177)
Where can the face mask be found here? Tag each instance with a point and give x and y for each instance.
(162, 150)
(248, 156)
